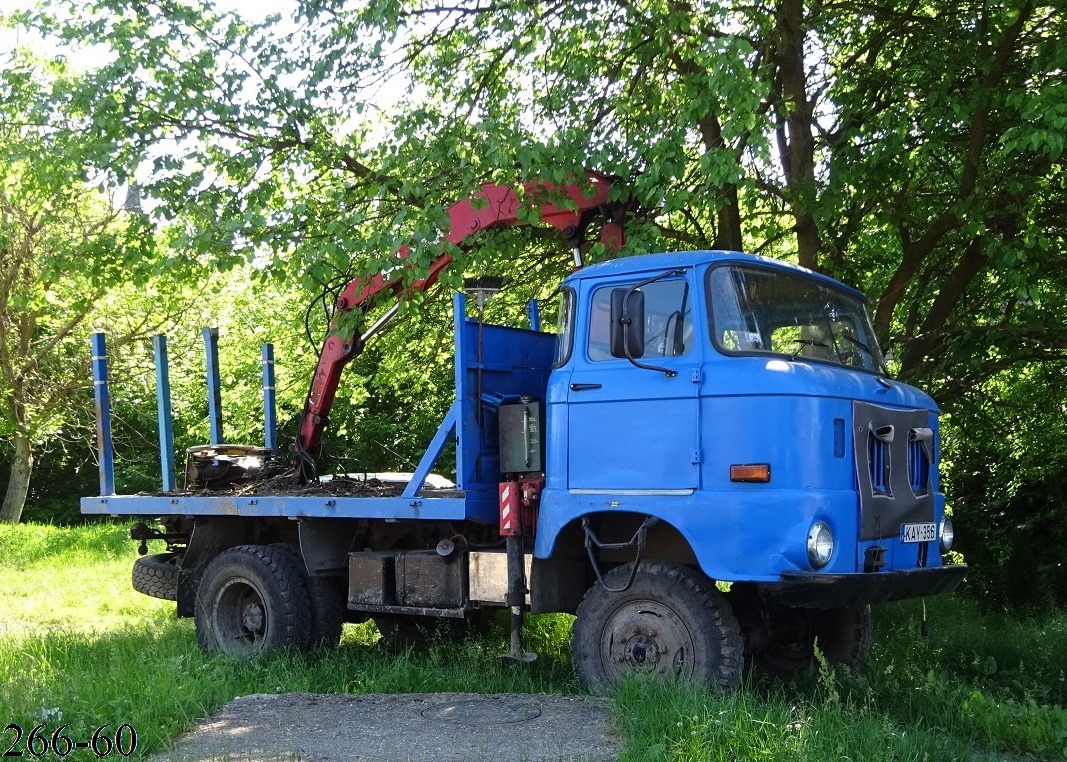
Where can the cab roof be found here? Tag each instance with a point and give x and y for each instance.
(642, 263)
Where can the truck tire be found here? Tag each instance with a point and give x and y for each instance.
(787, 642)
(157, 575)
(329, 602)
(671, 623)
(843, 635)
(252, 599)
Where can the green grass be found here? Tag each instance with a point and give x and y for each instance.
(78, 646)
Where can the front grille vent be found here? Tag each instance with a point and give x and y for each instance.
(879, 458)
(918, 467)
(896, 480)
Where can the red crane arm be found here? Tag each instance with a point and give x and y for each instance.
(495, 206)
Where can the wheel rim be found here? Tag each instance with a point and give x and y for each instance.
(240, 616)
(646, 637)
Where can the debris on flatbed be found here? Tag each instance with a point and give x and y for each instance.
(285, 485)
(336, 486)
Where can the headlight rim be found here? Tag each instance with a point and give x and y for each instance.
(946, 534)
(820, 536)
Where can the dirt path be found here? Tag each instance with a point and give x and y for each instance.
(435, 727)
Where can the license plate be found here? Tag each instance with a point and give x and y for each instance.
(918, 532)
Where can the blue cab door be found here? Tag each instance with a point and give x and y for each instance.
(637, 428)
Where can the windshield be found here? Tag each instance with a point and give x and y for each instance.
(759, 310)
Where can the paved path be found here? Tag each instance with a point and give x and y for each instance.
(435, 727)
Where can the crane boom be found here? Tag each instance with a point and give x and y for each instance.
(494, 206)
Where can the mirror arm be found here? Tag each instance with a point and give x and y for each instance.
(625, 320)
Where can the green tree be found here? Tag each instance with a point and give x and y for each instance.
(915, 150)
(46, 301)
(1010, 485)
(66, 250)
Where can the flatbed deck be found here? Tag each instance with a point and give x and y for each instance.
(450, 506)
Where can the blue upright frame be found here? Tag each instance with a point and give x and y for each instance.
(214, 384)
(270, 410)
(493, 365)
(163, 411)
(105, 453)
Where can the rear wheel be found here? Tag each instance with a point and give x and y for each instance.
(671, 623)
(329, 602)
(252, 599)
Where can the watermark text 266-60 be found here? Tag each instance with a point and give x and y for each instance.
(39, 742)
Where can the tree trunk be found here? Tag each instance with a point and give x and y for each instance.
(796, 133)
(728, 230)
(18, 486)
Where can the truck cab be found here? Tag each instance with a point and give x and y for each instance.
(740, 411)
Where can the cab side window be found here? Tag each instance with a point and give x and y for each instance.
(668, 320)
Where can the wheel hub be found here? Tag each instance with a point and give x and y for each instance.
(648, 638)
(641, 651)
(252, 617)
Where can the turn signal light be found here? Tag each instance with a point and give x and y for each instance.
(752, 472)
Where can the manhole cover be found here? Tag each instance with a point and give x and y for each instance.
(483, 712)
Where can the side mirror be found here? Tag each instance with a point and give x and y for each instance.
(627, 323)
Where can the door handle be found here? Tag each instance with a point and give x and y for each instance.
(583, 387)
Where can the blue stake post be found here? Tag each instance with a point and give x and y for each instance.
(105, 454)
(270, 412)
(163, 413)
(533, 313)
(214, 384)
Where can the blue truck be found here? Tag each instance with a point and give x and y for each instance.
(707, 463)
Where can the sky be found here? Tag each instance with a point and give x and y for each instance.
(252, 10)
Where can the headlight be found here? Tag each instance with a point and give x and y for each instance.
(947, 535)
(820, 544)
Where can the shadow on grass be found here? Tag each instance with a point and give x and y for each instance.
(975, 688)
(154, 678)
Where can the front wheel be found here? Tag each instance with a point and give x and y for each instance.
(252, 599)
(671, 623)
(843, 635)
(783, 639)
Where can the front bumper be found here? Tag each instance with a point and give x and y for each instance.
(824, 591)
